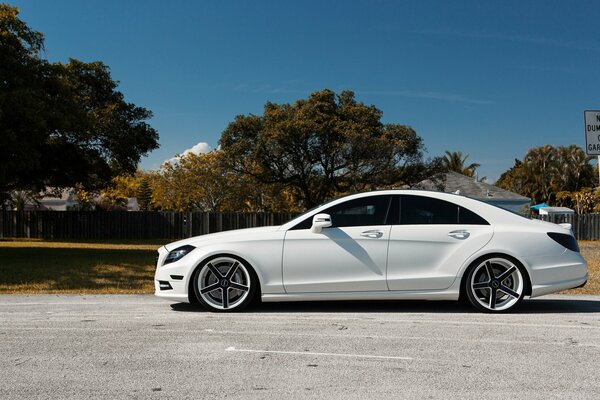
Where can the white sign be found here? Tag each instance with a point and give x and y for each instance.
(592, 132)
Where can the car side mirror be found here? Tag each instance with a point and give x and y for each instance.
(319, 222)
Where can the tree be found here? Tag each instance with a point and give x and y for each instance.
(512, 179)
(144, 195)
(62, 124)
(581, 201)
(85, 200)
(323, 146)
(202, 182)
(115, 195)
(545, 171)
(455, 161)
(18, 199)
(573, 169)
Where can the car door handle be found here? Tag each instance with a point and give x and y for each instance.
(372, 234)
(459, 234)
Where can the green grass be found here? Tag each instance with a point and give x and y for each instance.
(59, 267)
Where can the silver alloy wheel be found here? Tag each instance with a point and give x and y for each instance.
(224, 283)
(496, 284)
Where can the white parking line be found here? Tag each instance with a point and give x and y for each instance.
(310, 353)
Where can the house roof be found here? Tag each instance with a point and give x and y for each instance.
(57, 194)
(469, 187)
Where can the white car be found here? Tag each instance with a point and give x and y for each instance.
(393, 244)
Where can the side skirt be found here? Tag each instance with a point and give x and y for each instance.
(447, 294)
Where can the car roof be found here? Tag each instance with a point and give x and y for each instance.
(493, 214)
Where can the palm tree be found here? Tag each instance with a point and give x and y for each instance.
(455, 161)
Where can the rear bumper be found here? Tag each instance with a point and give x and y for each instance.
(540, 290)
(554, 274)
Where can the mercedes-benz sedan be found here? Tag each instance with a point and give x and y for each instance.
(395, 244)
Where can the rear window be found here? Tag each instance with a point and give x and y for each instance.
(421, 210)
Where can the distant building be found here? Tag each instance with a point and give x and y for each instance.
(132, 204)
(64, 199)
(54, 200)
(555, 211)
(453, 182)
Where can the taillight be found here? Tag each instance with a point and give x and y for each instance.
(565, 240)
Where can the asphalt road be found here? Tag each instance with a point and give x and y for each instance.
(143, 347)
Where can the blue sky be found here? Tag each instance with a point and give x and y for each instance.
(489, 78)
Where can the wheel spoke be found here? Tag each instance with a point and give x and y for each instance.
(215, 271)
(492, 298)
(507, 273)
(225, 297)
(210, 288)
(481, 285)
(509, 291)
(232, 270)
(489, 269)
(238, 286)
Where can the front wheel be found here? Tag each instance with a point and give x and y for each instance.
(225, 283)
(495, 284)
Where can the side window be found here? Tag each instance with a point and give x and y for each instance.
(306, 224)
(419, 210)
(467, 217)
(365, 211)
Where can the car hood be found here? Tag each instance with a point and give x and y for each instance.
(237, 234)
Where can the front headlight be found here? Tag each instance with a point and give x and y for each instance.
(178, 254)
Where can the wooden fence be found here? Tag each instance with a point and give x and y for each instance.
(584, 226)
(127, 225)
(175, 225)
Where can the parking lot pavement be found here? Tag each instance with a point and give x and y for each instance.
(143, 347)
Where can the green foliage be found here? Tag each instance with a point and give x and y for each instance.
(455, 161)
(583, 201)
(545, 171)
(19, 198)
(323, 146)
(62, 124)
(85, 200)
(144, 195)
(202, 182)
(115, 196)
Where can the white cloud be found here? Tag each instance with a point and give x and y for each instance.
(199, 148)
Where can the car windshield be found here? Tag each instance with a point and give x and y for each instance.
(307, 212)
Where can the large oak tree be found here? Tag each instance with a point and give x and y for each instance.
(324, 146)
(62, 124)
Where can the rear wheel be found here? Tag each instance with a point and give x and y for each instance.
(495, 284)
(225, 284)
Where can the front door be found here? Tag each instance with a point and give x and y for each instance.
(350, 256)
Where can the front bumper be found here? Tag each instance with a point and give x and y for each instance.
(178, 293)
(171, 281)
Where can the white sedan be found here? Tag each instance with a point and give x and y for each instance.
(394, 244)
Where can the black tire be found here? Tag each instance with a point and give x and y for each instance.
(495, 284)
(225, 292)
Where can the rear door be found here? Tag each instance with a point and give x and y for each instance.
(431, 242)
